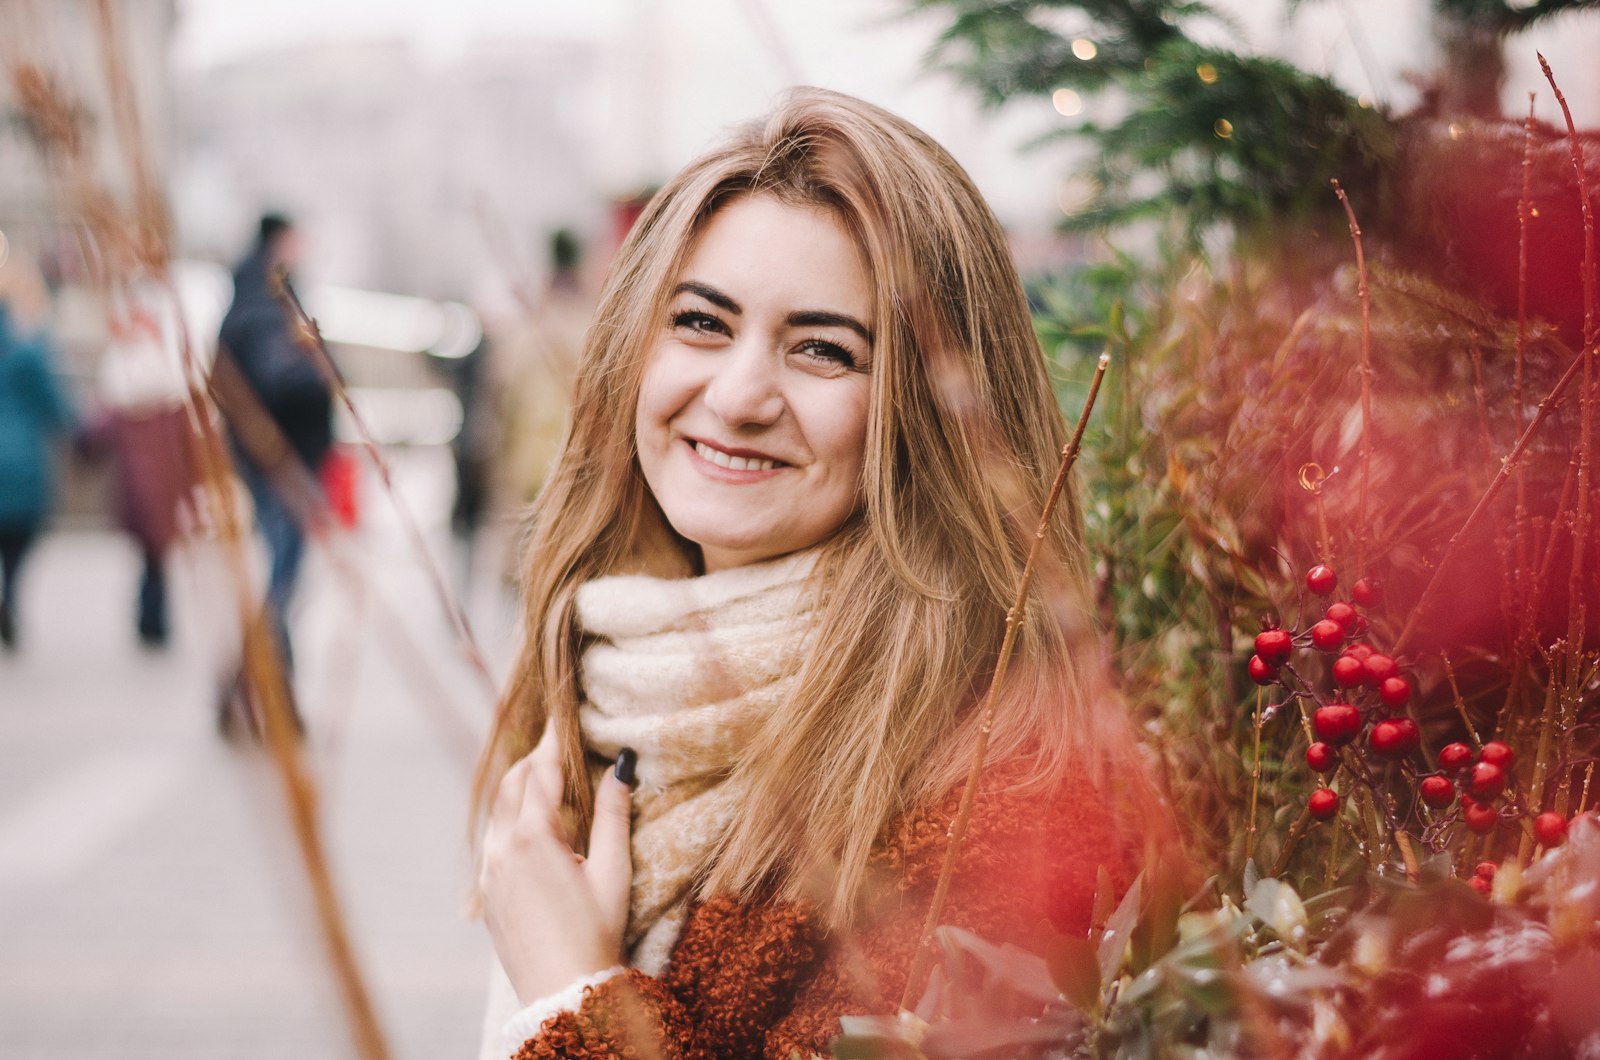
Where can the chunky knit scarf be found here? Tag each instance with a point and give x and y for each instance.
(685, 671)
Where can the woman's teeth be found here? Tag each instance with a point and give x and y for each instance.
(732, 463)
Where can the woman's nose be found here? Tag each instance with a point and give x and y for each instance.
(744, 387)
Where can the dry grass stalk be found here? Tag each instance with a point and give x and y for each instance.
(1524, 212)
(1541, 758)
(311, 341)
(1363, 291)
(1296, 830)
(1576, 619)
(1460, 704)
(1255, 781)
(1520, 589)
(1507, 464)
(140, 239)
(923, 955)
(149, 209)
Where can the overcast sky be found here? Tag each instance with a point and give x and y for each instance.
(213, 31)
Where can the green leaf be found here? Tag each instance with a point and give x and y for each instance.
(1277, 905)
(1114, 942)
(1157, 929)
(1075, 969)
(964, 1038)
(1024, 972)
(1105, 897)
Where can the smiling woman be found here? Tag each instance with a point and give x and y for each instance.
(812, 435)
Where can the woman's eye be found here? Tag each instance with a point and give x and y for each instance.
(829, 352)
(696, 321)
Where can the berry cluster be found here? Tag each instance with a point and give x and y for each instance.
(1480, 778)
(1360, 725)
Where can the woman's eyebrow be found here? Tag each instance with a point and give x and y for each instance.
(821, 318)
(709, 293)
(800, 318)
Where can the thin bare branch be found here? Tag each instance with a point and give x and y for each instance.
(923, 954)
(457, 616)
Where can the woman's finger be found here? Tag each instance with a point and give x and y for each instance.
(508, 797)
(547, 777)
(609, 868)
(538, 810)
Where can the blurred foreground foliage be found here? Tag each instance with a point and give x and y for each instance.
(1387, 969)
(1232, 449)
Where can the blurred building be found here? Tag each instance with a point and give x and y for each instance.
(407, 177)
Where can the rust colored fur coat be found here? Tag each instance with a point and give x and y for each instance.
(763, 979)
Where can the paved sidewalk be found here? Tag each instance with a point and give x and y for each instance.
(151, 901)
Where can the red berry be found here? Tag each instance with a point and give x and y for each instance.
(1324, 803)
(1321, 579)
(1455, 757)
(1274, 646)
(1322, 758)
(1367, 592)
(1481, 885)
(1480, 816)
(1497, 753)
(1486, 779)
(1348, 672)
(1394, 737)
(1362, 652)
(1550, 829)
(1394, 692)
(1437, 792)
(1486, 869)
(1327, 635)
(1343, 614)
(1262, 673)
(1336, 723)
(1380, 668)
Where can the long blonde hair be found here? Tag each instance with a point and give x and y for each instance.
(963, 437)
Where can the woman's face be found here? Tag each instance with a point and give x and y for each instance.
(752, 414)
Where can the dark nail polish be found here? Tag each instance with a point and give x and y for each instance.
(626, 760)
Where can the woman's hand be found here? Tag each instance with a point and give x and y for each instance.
(553, 916)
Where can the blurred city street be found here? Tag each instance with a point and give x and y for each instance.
(152, 903)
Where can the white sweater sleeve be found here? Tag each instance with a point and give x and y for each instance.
(527, 1021)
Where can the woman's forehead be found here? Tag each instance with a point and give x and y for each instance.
(764, 248)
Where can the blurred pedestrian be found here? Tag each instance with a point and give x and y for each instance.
(475, 447)
(279, 407)
(532, 371)
(34, 410)
(142, 420)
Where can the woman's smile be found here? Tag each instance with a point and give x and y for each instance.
(731, 464)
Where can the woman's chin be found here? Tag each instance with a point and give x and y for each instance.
(721, 552)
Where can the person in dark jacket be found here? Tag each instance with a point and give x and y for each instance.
(279, 406)
(33, 409)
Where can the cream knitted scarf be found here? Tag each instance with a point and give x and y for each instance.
(685, 671)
